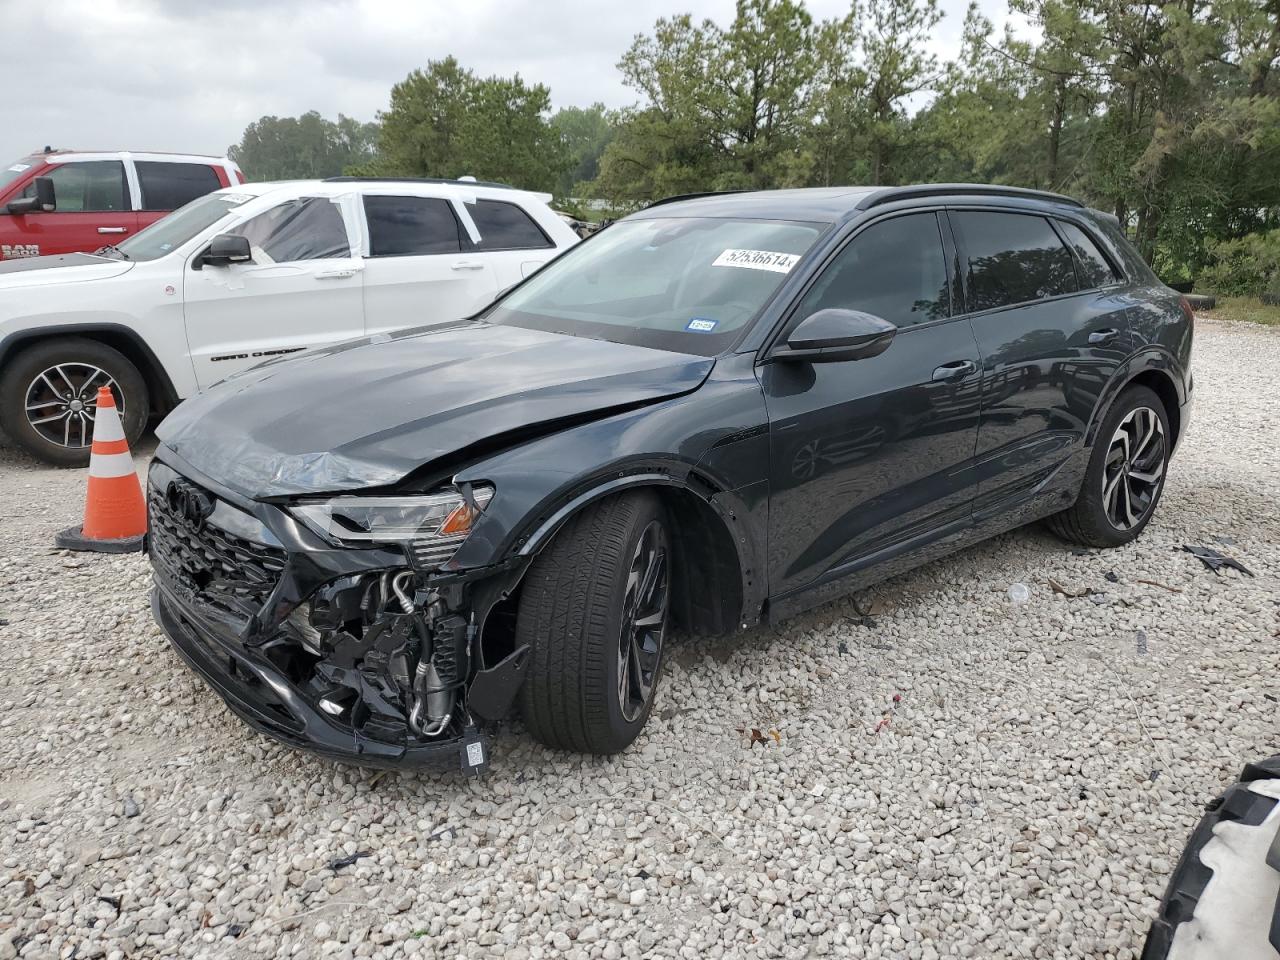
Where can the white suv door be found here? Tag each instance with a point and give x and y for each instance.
(418, 268)
(303, 289)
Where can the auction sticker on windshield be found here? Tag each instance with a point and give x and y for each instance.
(757, 260)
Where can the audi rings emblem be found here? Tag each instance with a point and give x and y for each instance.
(188, 504)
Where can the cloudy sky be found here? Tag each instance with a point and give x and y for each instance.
(189, 75)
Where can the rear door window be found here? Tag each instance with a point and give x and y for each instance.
(88, 186)
(168, 186)
(505, 226)
(1093, 267)
(1012, 258)
(307, 229)
(895, 270)
(410, 226)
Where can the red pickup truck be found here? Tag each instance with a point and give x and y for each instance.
(60, 201)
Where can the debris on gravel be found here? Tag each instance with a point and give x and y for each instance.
(951, 774)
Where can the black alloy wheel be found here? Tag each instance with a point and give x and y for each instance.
(595, 608)
(1125, 475)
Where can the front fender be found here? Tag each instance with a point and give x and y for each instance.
(693, 444)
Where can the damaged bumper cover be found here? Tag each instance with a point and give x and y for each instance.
(264, 698)
(353, 654)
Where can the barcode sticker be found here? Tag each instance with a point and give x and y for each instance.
(475, 754)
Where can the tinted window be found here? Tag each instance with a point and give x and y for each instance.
(504, 226)
(92, 186)
(895, 270)
(306, 229)
(1093, 266)
(408, 226)
(1012, 259)
(168, 186)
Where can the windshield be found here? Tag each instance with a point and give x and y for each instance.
(686, 284)
(16, 170)
(180, 226)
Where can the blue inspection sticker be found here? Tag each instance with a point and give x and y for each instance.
(701, 325)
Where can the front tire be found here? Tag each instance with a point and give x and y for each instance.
(1125, 476)
(594, 607)
(49, 391)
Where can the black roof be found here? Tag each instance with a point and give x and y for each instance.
(830, 203)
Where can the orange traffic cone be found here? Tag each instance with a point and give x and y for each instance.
(115, 515)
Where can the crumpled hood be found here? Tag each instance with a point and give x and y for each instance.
(368, 412)
(63, 268)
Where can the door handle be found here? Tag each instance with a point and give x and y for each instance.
(113, 229)
(466, 265)
(337, 274)
(1099, 337)
(954, 370)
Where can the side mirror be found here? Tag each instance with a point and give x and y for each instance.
(835, 334)
(43, 202)
(226, 249)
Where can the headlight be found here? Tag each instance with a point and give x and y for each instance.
(431, 526)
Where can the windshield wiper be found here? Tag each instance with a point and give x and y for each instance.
(109, 250)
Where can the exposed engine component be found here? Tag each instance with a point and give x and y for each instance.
(387, 654)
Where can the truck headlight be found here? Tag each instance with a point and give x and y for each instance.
(431, 526)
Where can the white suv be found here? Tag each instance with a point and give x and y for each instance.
(250, 272)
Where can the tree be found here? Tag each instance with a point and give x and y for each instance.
(445, 121)
(723, 109)
(1165, 113)
(305, 147)
(584, 133)
(896, 67)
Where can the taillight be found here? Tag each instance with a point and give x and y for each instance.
(1187, 312)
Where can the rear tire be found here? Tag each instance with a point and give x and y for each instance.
(48, 412)
(594, 607)
(1125, 477)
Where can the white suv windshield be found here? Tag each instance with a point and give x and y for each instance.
(686, 284)
(177, 228)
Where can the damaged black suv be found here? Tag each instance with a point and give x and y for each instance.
(721, 409)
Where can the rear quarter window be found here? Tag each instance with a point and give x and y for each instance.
(1094, 268)
(168, 186)
(506, 226)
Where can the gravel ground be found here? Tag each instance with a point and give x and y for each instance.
(965, 777)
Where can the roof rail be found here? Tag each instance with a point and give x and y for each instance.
(458, 182)
(676, 198)
(890, 194)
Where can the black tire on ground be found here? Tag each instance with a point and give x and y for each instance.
(75, 353)
(1238, 862)
(1086, 522)
(572, 614)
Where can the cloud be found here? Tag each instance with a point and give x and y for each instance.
(188, 75)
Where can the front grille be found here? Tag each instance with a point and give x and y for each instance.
(210, 565)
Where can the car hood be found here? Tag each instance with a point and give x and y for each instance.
(63, 268)
(368, 412)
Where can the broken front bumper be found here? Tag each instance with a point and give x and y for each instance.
(306, 642)
(266, 700)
